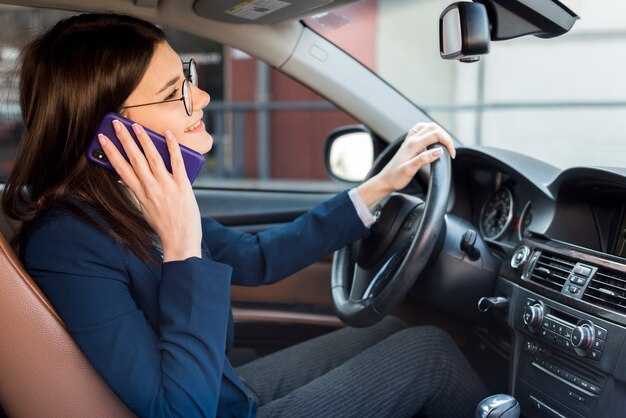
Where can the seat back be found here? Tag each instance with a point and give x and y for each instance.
(43, 373)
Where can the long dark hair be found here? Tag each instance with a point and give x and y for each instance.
(85, 66)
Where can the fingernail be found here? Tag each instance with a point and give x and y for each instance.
(168, 135)
(102, 139)
(117, 125)
(437, 152)
(137, 128)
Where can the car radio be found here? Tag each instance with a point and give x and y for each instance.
(581, 336)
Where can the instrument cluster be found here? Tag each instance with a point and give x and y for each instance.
(505, 218)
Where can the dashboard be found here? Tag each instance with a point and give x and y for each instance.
(510, 197)
(561, 238)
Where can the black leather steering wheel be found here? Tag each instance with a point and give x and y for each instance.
(370, 277)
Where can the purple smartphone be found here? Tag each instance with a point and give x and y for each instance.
(193, 160)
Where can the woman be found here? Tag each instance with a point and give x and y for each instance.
(142, 282)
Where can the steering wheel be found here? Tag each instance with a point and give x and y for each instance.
(370, 277)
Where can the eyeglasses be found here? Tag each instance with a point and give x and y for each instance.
(191, 76)
(191, 71)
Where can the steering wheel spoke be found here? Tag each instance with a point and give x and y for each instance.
(397, 222)
(361, 280)
(371, 277)
(385, 272)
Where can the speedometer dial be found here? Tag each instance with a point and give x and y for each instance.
(496, 214)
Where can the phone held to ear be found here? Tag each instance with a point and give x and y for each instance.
(192, 159)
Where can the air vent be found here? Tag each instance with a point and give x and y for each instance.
(552, 270)
(607, 288)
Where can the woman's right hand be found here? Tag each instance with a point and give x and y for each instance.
(167, 200)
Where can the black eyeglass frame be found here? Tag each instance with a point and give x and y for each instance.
(190, 69)
(191, 76)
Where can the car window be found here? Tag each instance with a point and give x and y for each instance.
(561, 100)
(269, 130)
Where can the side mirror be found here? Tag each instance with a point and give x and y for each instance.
(464, 32)
(349, 154)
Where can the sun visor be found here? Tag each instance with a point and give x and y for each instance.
(261, 11)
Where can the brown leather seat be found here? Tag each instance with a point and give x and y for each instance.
(42, 371)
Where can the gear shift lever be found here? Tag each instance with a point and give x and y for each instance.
(498, 406)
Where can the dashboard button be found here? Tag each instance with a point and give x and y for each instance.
(567, 333)
(577, 280)
(595, 354)
(584, 384)
(593, 388)
(533, 317)
(582, 337)
(531, 346)
(598, 344)
(600, 333)
(577, 338)
(520, 256)
(582, 270)
(573, 289)
(576, 396)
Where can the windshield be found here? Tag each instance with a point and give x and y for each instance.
(560, 100)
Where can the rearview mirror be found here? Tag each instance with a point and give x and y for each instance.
(464, 32)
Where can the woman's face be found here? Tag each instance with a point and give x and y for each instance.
(163, 81)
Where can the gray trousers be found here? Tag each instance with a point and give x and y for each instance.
(382, 371)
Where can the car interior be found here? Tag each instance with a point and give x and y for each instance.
(521, 262)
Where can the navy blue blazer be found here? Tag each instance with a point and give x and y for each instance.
(158, 335)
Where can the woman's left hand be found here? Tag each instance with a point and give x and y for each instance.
(411, 156)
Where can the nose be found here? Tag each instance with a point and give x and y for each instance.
(200, 97)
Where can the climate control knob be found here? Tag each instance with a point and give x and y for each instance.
(533, 317)
(582, 337)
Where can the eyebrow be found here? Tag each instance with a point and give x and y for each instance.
(169, 83)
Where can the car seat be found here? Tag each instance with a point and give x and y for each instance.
(43, 373)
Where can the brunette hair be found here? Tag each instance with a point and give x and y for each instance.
(70, 76)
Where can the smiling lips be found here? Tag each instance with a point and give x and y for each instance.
(194, 126)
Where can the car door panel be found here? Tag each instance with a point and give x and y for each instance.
(241, 208)
(300, 302)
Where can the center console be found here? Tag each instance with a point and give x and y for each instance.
(569, 356)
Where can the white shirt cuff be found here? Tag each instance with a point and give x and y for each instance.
(361, 209)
